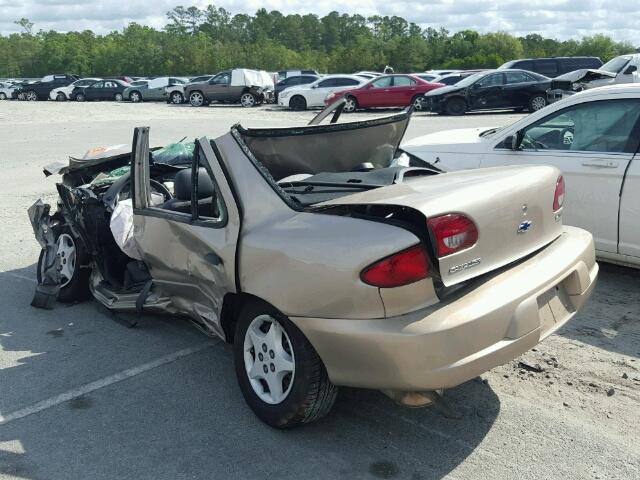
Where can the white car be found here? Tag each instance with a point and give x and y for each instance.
(593, 137)
(64, 93)
(313, 94)
(6, 89)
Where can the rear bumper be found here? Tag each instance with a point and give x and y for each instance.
(456, 340)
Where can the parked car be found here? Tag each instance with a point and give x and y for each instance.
(385, 91)
(491, 90)
(592, 137)
(240, 85)
(397, 277)
(622, 69)
(103, 90)
(6, 90)
(283, 74)
(175, 93)
(367, 75)
(40, 89)
(292, 82)
(552, 67)
(64, 93)
(313, 94)
(151, 90)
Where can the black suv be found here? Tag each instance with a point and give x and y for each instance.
(40, 89)
(554, 66)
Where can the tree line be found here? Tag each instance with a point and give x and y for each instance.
(206, 40)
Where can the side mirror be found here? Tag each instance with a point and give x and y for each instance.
(513, 141)
(630, 69)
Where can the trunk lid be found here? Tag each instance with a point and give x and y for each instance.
(512, 208)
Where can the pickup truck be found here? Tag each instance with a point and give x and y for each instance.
(40, 90)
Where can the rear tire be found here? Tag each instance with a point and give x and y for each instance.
(304, 393)
(248, 100)
(118, 97)
(298, 102)
(537, 102)
(176, 98)
(456, 106)
(417, 103)
(3, 96)
(135, 96)
(74, 286)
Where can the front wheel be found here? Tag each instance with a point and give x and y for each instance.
(3, 96)
(456, 106)
(135, 97)
(537, 102)
(31, 96)
(298, 103)
(350, 105)
(196, 99)
(61, 97)
(248, 100)
(80, 97)
(74, 280)
(118, 97)
(279, 372)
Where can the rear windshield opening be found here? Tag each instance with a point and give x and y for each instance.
(313, 164)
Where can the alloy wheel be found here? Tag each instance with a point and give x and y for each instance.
(3, 96)
(349, 105)
(118, 97)
(247, 100)
(196, 99)
(61, 97)
(269, 359)
(537, 103)
(417, 103)
(176, 98)
(135, 97)
(31, 96)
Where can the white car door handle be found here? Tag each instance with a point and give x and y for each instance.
(600, 163)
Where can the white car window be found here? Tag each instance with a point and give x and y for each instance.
(602, 126)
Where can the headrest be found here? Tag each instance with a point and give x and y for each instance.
(182, 184)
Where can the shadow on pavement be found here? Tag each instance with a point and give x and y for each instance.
(187, 418)
(611, 318)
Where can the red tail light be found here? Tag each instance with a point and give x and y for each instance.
(453, 232)
(558, 197)
(402, 268)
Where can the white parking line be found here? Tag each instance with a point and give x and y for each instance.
(103, 382)
(22, 277)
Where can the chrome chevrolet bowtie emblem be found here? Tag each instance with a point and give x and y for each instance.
(525, 226)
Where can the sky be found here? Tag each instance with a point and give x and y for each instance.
(561, 19)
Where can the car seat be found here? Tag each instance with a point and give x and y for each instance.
(181, 202)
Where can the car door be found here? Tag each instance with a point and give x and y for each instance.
(629, 241)
(592, 144)
(109, 91)
(517, 89)
(94, 91)
(191, 256)
(488, 92)
(217, 88)
(402, 91)
(374, 93)
(317, 94)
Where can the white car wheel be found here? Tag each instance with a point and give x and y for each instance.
(247, 100)
(268, 359)
(176, 98)
(66, 253)
(196, 99)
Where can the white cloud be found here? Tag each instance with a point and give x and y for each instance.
(560, 19)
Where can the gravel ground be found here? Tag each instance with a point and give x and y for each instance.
(84, 396)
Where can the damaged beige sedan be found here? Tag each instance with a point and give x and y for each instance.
(324, 253)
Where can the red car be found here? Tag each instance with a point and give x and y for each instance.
(385, 91)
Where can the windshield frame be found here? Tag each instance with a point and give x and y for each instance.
(627, 59)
